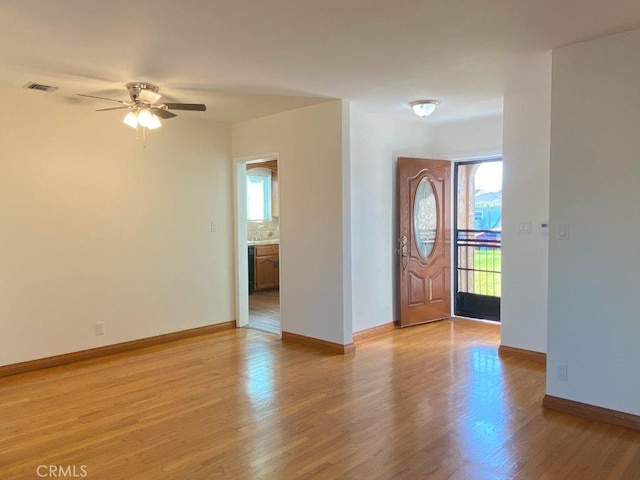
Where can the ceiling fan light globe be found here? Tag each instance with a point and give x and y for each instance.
(154, 123)
(131, 119)
(144, 118)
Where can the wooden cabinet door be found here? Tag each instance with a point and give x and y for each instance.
(266, 272)
(267, 268)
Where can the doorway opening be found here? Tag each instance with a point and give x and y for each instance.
(478, 238)
(263, 245)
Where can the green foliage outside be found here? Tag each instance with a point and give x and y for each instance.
(487, 283)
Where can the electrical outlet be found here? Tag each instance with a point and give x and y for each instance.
(99, 328)
(562, 372)
(214, 227)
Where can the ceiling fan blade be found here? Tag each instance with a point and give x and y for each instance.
(186, 106)
(102, 98)
(113, 108)
(162, 113)
(149, 96)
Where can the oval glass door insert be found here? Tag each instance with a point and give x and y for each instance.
(425, 218)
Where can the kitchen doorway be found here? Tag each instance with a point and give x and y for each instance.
(263, 245)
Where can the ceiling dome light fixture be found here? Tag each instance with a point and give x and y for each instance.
(424, 108)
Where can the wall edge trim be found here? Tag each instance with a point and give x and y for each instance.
(73, 357)
(324, 345)
(373, 332)
(504, 350)
(592, 412)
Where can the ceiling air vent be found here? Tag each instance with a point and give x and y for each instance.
(39, 86)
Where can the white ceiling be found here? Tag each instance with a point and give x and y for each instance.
(250, 58)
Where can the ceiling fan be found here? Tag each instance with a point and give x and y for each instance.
(144, 111)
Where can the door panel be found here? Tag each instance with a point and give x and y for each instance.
(424, 253)
(438, 287)
(416, 290)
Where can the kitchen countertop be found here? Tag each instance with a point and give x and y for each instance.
(268, 241)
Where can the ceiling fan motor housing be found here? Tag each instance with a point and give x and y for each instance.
(136, 87)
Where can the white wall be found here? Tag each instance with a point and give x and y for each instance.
(468, 139)
(314, 296)
(525, 198)
(594, 278)
(376, 143)
(97, 228)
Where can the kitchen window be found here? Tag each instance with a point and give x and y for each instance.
(259, 194)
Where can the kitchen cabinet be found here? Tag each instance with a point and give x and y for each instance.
(267, 266)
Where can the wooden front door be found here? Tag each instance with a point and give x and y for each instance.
(424, 243)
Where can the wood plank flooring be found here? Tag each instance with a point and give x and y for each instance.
(264, 311)
(427, 402)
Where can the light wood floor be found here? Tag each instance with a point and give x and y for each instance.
(427, 402)
(264, 311)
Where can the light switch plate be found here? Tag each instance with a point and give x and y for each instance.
(563, 231)
(524, 227)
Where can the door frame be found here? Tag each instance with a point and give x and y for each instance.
(241, 237)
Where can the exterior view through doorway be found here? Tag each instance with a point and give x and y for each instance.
(478, 238)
